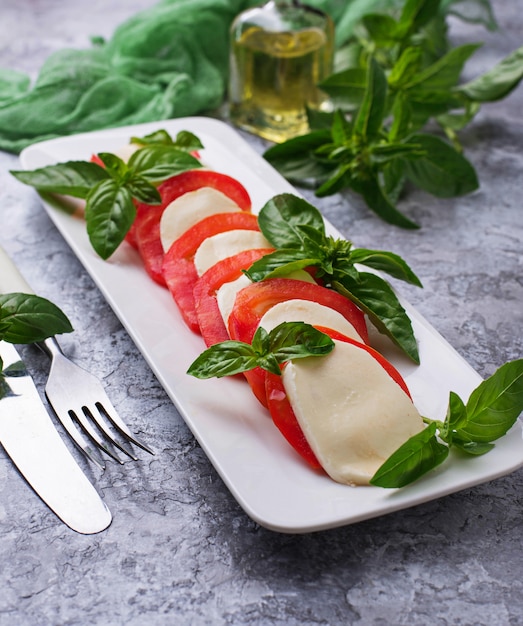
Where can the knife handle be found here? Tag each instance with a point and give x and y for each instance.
(11, 281)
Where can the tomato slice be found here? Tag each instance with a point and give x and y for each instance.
(255, 300)
(281, 410)
(212, 326)
(178, 269)
(146, 228)
(285, 420)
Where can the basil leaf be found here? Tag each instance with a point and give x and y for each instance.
(157, 137)
(387, 262)
(472, 447)
(405, 68)
(445, 72)
(443, 171)
(185, 140)
(224, 359)
(376, 298)
(158, 162)
(339, 179)
(455, 418)
(393, 180)
(280, 217)
(114, 165)
(294, 159)
(279, 263)
(417, 456)
(417, 13)
(457, 121)
(382, 153)
(319, 120)
(495, 405)
(497, 82)
(341, 130)
(268, 350)
(74, 178)
(26, 318)
(376, 200)
(109, 213)
(270, 363)
(141, 189)
(297, 340)
(346, 88)
(372, 110)
(401, 118)
(382, 28)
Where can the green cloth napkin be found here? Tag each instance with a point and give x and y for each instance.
(168, 61)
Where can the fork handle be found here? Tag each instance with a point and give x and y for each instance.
(50, 347)
(11, 281)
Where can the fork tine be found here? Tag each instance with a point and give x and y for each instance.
(107, 409)
(96, 415)
(80, 440)
(80, 417)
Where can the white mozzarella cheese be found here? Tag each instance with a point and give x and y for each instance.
(352, 413)
(226, 296)
(225, 245)
(189, 209)
(309, 312)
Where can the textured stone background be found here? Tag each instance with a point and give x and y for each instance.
(180, 550)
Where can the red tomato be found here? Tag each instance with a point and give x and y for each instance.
(255, 300)
(146, 227)
(96, 159)
(285, 420)
(178, 266)
(209, 317)
(281, 410)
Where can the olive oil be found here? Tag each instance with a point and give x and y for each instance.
(279, 53)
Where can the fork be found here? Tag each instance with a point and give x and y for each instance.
(83, 407)
(77, 396)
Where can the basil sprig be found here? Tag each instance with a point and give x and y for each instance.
(492, 409)
(27, 318)
(289, 340)
(110, 192)
(185, 140)
(297, 230)
(397, 74)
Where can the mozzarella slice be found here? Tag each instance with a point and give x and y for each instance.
(190, 208)
(352, 413)
(224, 245)
(309, 312)
(226, 294)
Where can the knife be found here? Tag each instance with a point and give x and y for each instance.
(36, 448)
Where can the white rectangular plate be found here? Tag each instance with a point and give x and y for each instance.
(263, 473)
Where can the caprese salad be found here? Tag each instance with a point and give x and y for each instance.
(278, 301)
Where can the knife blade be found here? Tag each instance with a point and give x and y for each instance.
(31, 440)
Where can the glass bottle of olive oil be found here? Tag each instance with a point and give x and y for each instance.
(279, 53)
